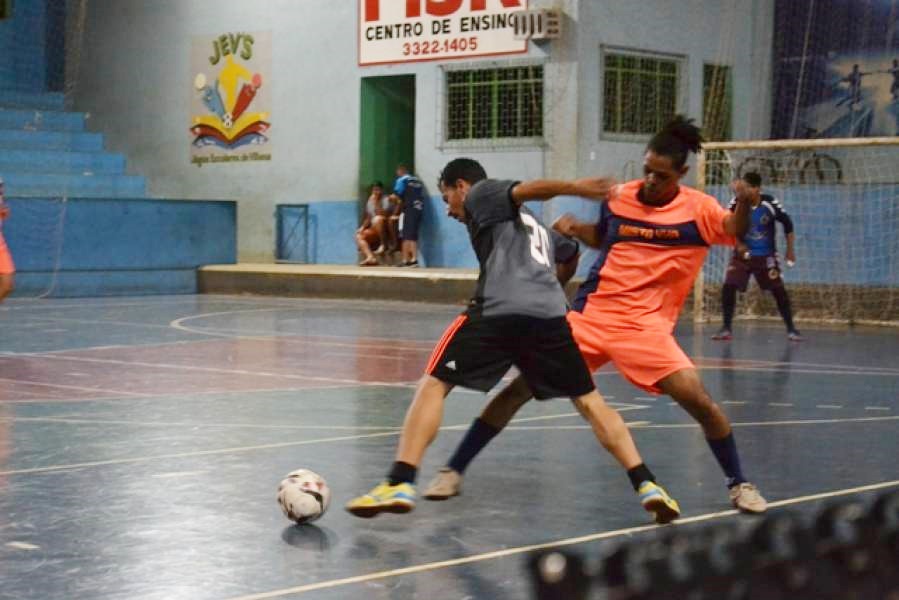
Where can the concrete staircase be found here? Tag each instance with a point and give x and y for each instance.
(46, 152)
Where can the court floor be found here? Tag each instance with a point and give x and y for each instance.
(142, 441)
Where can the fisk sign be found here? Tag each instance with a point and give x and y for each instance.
(397, 31)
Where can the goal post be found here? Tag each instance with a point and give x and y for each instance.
(843, 197)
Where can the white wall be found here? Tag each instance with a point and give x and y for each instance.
(728, 32)
(135, 81)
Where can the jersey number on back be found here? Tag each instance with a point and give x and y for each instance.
(539, 239)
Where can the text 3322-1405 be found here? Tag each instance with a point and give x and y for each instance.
(440, 46)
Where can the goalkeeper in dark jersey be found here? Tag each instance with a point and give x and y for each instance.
(516, 317)
(756, 255)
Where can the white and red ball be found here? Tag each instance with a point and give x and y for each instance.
(304, 496)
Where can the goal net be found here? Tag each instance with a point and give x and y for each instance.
(843, 198)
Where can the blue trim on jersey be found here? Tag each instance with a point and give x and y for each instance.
(399, 186)
(614, 229)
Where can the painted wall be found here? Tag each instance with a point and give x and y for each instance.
(738, 34)
(144, 48)
(844, 234)
(22, 47)
(91, 246)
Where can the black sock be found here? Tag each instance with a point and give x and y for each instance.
(783, 305)
(639, 474)
(725, 451)
(402, 472)
(478, 435)
(728, 304)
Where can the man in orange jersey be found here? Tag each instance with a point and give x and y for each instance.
(7, 268)
(653, 235)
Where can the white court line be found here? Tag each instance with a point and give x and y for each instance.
(780, 404)
(129, 363)
(787, 369)
(236, 450)
(640, 425)
(87, 421)
(734, 402)
(877, 408)
(443, 564)
(72, 387)
(22, 546)
(829, 406)
(138, 459)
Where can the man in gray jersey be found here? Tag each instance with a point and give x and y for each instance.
(517, 317)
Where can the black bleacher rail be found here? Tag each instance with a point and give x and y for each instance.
(849, 551)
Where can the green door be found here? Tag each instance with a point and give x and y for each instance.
(387, 136)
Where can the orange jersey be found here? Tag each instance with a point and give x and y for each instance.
(649, 257)
(6, 265)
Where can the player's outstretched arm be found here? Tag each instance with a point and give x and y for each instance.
(594, 188)
(582, 231)
(737, 222)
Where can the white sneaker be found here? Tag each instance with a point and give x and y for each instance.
(746, 497)
(446, 484)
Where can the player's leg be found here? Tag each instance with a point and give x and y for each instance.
(494, 418)
(499, 411)
(7, 270)
(7, 283)
(466, 355)
(737, 278)
(653, 361)
(362, 238)
(560, 364)
(412, 214)
(612, 432)
(769, 277)
(379, 224)
(686, 388)
(396, 493)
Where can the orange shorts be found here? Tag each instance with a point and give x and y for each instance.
(6, 265)
(644, 357)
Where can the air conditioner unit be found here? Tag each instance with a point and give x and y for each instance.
(539, 24)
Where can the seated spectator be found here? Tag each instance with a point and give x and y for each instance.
(374, 232)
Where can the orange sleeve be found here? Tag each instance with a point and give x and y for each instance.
(710, 218)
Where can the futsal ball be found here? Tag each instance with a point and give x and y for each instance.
(304, 496)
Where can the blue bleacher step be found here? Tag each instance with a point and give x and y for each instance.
(31, 185)
(11, 139)
(41, 120)
(32, 100)
(61, 161)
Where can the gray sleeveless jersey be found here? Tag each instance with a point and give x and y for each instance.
(517, 255)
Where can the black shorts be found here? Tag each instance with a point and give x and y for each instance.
(475, 352)
(410, 220)
(765, 269)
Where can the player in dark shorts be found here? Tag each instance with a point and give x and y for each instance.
(756, 255)
(517, 317)
(408, 193)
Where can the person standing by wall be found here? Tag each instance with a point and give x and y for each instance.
(409, 192)
(756, 255)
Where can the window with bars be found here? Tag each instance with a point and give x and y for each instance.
(640, 92)
(495, 103)
(717, 102)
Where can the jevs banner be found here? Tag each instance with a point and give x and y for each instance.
(836, 68)
(231, 98)
(399, 31)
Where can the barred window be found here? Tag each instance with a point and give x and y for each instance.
(494, 103)
(640, 92)
(717, 102)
